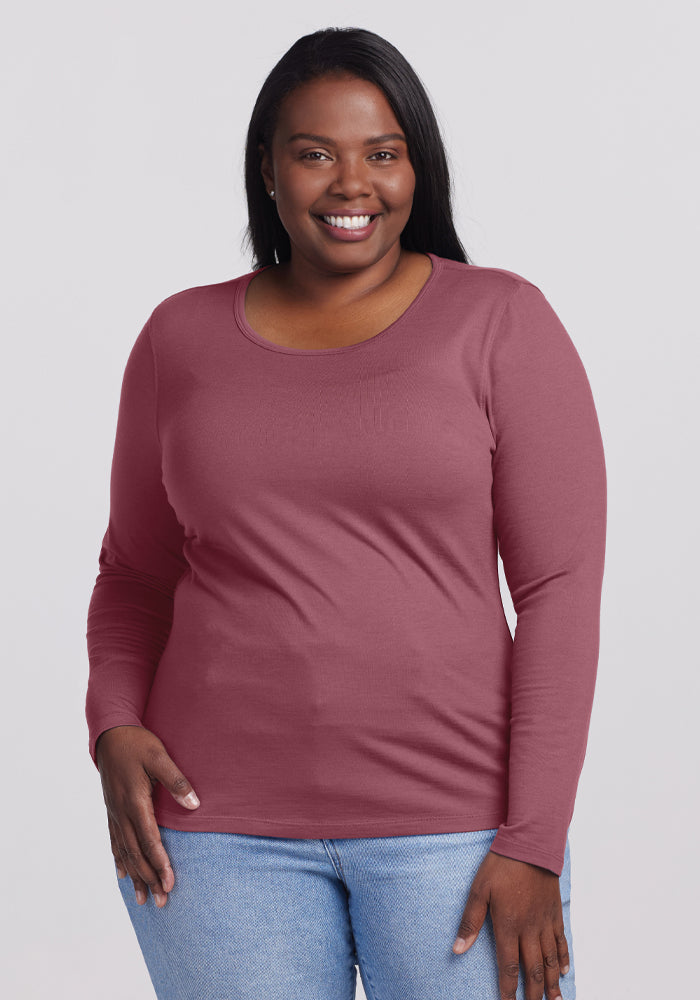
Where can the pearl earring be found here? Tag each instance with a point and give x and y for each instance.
(272, 194)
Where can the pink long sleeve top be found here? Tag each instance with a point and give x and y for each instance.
(298, 585)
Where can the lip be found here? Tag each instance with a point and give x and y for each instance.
(348, 211)
(349, 235)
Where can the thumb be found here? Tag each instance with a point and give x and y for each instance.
(172, 778)
(472, 920)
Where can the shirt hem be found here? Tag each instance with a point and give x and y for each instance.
(312, 829)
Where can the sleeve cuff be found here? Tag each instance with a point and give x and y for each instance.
(502, 844)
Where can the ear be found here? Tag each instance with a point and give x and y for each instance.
(266, 167)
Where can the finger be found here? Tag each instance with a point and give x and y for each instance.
(140, 888)
(508, 959)
(152, 860)
(152, 846)
(562, 947)
(472, 920)
(138, 859)
(550, 959)
(533, 966)
(161, 767)
(114, 844)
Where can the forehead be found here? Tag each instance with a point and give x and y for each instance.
(346, 108)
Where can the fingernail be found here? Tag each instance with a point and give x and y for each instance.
(191, 799)
(140, 896)
(564, 969)
(461, 944)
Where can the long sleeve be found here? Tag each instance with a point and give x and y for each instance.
(549, 504)
(298, 588)
(140, 561)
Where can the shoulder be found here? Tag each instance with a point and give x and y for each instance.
(196, 303)
(493, 284)
(497, 282)
(498, 293)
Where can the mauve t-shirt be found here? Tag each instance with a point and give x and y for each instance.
(298, 586)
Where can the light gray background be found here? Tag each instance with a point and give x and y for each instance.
(572, 134)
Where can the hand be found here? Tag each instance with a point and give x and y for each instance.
(130, 760)
(527, 920)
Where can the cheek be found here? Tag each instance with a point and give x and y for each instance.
(296, 183)
(399, 190)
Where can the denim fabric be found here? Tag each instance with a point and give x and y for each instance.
(271, 918)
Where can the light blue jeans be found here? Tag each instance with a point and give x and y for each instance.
(271, 918)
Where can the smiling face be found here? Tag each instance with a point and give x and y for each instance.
(338, 150)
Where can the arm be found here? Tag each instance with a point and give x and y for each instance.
(549, 504)
(140, 561)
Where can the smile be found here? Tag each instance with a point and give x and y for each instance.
(348, 221)
(348, 227)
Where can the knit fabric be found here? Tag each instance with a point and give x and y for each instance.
(298, 585)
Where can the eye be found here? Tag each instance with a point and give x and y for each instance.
(384, 153)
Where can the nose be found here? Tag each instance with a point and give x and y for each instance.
(350, 177)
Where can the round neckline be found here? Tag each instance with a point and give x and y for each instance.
(245, 327)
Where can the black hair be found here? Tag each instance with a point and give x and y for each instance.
(363, 54)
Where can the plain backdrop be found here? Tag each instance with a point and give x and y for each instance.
(572, 135)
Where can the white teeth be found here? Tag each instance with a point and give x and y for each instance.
(347, 221)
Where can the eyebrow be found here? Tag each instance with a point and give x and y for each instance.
(326, 141)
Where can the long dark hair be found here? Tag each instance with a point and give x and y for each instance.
(363, 54)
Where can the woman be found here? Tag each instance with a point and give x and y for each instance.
(317, 739)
